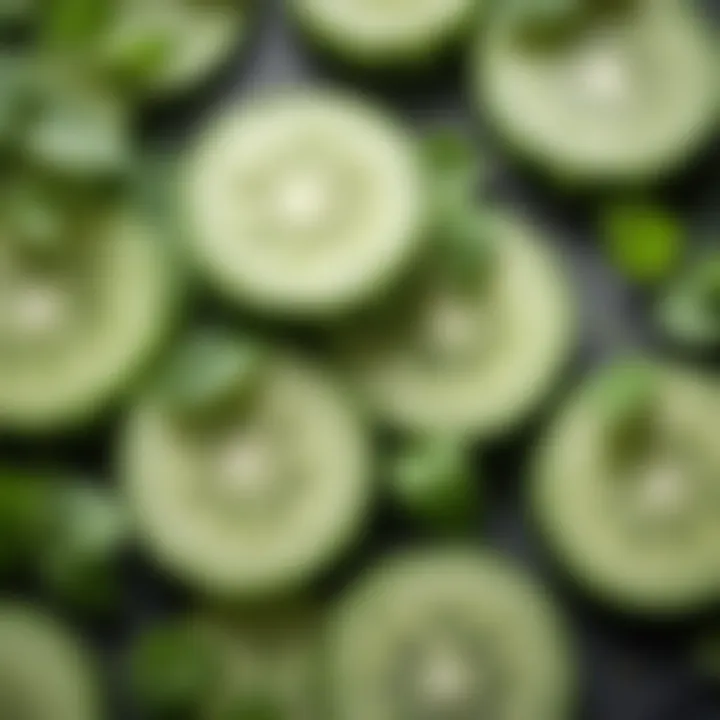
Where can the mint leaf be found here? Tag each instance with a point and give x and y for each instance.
(36, 220)
(689, 312)
(135, 59)
(90, 532)
(643, 241)
(171, 669)
(14, 97)
(79, 133)
(73, 25)
(27, 504)
(211, 369)
(432, 480)
(453, 168)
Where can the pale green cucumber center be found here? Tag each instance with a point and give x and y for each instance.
(302, 199)
(446, 677)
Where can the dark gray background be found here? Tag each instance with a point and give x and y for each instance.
(631, 670)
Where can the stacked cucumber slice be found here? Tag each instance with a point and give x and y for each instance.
(44, 671)
(386, 34)
(473, 357)
(627, 483)
(448, 634)
(303, 204)
(80, 320)
(602, 92)
(261, 490)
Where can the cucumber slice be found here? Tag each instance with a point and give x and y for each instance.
(269, 663)
(172, 45)
(627, 486)
(470, 355)
(304, 204)
(258, 497)
(624, 93)
(386, 33)
(80, 316)
(44, 672)
(448, 634)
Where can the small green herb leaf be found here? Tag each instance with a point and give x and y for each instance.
(171, 669)
(72, 25)
(14, 97)
(433, 481)
(644, 242)
(546, 21)
(34, 218)
(90, 532)
(626, 386)
(210, 370)
(15, 11)
(135, 60)
(453, 167)
(26, 512)
(689, 314)
(250, 708)
(80, 135)
(465, 247)
(625, 395)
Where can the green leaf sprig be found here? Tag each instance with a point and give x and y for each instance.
(433, 481)
(644, 242)
(688, 313)
(172, 669)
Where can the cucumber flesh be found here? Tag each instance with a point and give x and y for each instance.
(259, 498)
(447, 633)
(386, 33)
(630, 509)
(44, 672)
(77, 327)
(304, 204)
(625, 95)
(473, 362)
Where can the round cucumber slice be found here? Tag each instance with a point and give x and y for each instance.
(448, 634)
(44, 672)
(80, 316)
(386, 33)
(621, 92)
(259, 492)
(269, 663)
(471, 358)
(627, 486)
(303, 204)
(172, 45)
